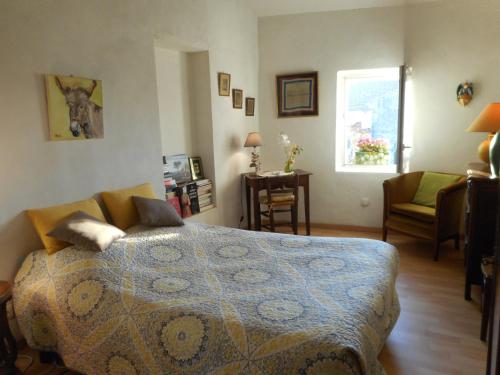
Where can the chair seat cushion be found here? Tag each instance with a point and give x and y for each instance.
(278, 199)
(416, 211)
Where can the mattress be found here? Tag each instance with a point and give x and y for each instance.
(203, 299)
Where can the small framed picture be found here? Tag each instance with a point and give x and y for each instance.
(196, 168)
(237, 98)
(177, 167)
(249, 106)
(224, 84)
(297, 94)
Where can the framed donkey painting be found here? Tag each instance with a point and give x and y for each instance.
(75, 107)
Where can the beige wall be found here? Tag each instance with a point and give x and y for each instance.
(172, 80)
(445, 42)
(325, 42)
(113, 41)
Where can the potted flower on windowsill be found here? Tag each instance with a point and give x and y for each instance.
(372, 152)
(292, 150)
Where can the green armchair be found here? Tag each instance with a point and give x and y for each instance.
(438, 224)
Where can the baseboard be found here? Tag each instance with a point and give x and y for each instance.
(351, 228)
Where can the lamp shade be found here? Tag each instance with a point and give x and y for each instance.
(488, 120)
(253, 140)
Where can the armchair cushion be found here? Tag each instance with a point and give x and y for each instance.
(422, 213)
(429, 185)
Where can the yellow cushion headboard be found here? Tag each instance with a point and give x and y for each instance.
(121, 206)
(45, 219)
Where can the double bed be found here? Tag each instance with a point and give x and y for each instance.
(201, 299)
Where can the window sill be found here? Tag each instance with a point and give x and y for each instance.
(380, 169)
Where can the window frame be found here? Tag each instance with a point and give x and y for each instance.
(342, 77)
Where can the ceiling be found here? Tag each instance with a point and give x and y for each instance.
(265, 8)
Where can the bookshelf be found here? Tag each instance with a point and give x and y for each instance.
(189, 198)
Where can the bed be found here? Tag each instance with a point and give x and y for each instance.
(203, 299)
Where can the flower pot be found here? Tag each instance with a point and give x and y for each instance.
(288, 166)
(371, 158)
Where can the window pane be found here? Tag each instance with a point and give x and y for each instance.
(371, 120)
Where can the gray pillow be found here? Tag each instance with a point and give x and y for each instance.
(157, 212)
(84, 230)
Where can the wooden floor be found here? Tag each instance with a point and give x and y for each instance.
(437, 331)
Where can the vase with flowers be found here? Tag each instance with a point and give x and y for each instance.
(372, 152)
(292, 150)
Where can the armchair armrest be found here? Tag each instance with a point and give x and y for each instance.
(449, 209)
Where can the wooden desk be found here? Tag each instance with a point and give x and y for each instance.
(257, 183)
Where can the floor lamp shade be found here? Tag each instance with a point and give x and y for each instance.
(489, 121)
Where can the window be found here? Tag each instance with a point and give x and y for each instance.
(368, 120)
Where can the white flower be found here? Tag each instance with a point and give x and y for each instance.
(283, 140)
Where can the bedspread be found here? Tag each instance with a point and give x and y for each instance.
(203, 299)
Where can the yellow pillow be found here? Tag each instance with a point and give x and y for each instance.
(46, 219)
(121, 206)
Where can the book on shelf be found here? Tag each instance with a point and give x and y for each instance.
(205, 202)
(203, 182)
(204, 195)
(169, 182)
(174, 201)
(205, 208)
(184, 201)
(192, 191)
(204, 189)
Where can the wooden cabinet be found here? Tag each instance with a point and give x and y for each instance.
(480, 219)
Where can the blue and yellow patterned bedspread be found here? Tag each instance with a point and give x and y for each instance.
(203, 299)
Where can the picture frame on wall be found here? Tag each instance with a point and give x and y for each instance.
(196, 168)
(224, 80)
(237, 98)
(297, 94)
(249, 106)
(67, 95)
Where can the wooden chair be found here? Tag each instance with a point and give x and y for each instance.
(436, 224)
(281, 196)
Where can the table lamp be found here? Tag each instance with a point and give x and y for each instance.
(254, 140)
(489, 150)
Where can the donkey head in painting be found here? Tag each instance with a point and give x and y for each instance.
(84, 115)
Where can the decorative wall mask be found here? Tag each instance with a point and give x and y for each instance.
(465, 92)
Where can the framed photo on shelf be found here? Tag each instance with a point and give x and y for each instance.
(297, 94)
(196, 168)
(177, 166)
(249, 106)
(224, 84)
(237, 98)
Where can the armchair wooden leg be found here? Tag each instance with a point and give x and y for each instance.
(271, 219)
(384, 234)
(436, 250)
(294, 219)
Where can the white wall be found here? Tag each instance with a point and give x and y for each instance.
(325, 42)
(445, 42)
(172, 82)
(112, 41)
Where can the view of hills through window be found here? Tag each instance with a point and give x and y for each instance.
(371, 121)
(367, 126)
